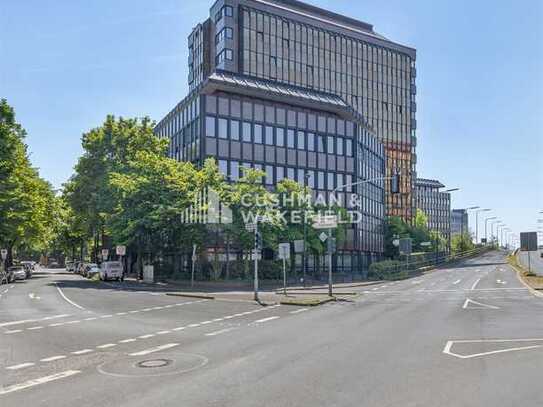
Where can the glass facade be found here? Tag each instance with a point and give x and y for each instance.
(377, 82)
(435, 204)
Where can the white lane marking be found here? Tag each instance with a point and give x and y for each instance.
(475, 284)
(193, 325)
(218, 319)
(36, 382)
(20, 366)
(457, 281)
(299, 310)
(155, 349)
(222, 331)
(146, 309)
(72, 322)
(121, 313)
(146, 336)
(13, 331)
(33, 296)
(26, 321)
(206, 322)
(57, 324)
(128, 340)
(106, 316)
(266, 319)
(53, 358)
(66, 298)
(179, 328)
(449, 344)
(163, 332)
(32, 328)
(107, 345)
(90, 318)
(133, 312)
(478, 305)
(501, 282)
(81, 352)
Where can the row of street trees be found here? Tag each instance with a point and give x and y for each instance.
(27, 202)
(125, 190)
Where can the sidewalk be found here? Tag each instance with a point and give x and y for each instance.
(269, 293)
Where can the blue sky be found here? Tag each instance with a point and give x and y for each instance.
(65, 64)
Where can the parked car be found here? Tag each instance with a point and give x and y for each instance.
(81, 268)
(87, 267)
(29, 268)
(19, 272)
(111, 270)
(70, 266)
(92, 271)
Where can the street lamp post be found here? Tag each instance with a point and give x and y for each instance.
(496, 222)
(304, 258)
(486, 226)
(500, 225)
(461, 222)
(477, 223)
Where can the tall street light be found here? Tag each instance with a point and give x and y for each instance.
(486, 226)
(477, 223)
(501, 225)
(496, 222)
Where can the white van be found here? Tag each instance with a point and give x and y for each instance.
(111, 270)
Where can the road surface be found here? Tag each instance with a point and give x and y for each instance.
(469, 335)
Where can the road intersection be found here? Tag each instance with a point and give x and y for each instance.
(466, 335)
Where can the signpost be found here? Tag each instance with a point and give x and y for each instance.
(105, 253)
(327, 222)
(528, 243)
(193, 259)
(406, 248)
(253, 227)
(284, 254)
(121, 252)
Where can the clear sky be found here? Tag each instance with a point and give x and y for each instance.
(65, 64)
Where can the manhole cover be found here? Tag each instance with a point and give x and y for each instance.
(154, 363)
(162, 364)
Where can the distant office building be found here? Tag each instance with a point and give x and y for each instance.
(296, 44)
(252, 104)
(435, 204)
(459, 221)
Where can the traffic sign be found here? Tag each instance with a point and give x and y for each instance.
(4, 254)
(284, 251)
(323, 236)
(405, 246)
(325, 222)
(298, 246)
(121, 250)
(528, 241)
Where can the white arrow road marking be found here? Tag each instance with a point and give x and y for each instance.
(456, 282)
(33, 296)
(155, 349)
(501, 282)
(478, 305)
(449, 345)
(36, 382)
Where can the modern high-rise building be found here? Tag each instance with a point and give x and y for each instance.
(435, 204)
(305, 94)
(297, 44)
(459, 221)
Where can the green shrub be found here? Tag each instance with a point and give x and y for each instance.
(388, 270)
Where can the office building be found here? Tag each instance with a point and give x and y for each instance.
(459, 221)
(435, 204)
(281, 123)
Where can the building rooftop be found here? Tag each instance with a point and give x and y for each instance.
(430, 183)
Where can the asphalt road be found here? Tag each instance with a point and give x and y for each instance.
(469, 335)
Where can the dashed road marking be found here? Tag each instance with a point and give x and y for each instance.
(81, 352)
(107, 345)
(222, 331)
(259, 321)
(53, 358)
(128, 340)
(299, 310)
(155, 349)
(20, 366)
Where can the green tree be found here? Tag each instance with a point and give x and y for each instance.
(461, 243)
(26, 201)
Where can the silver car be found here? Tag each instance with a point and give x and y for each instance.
(19, 272)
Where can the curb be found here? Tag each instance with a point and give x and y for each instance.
(312, 304)
(190, 295)
(528, 286)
